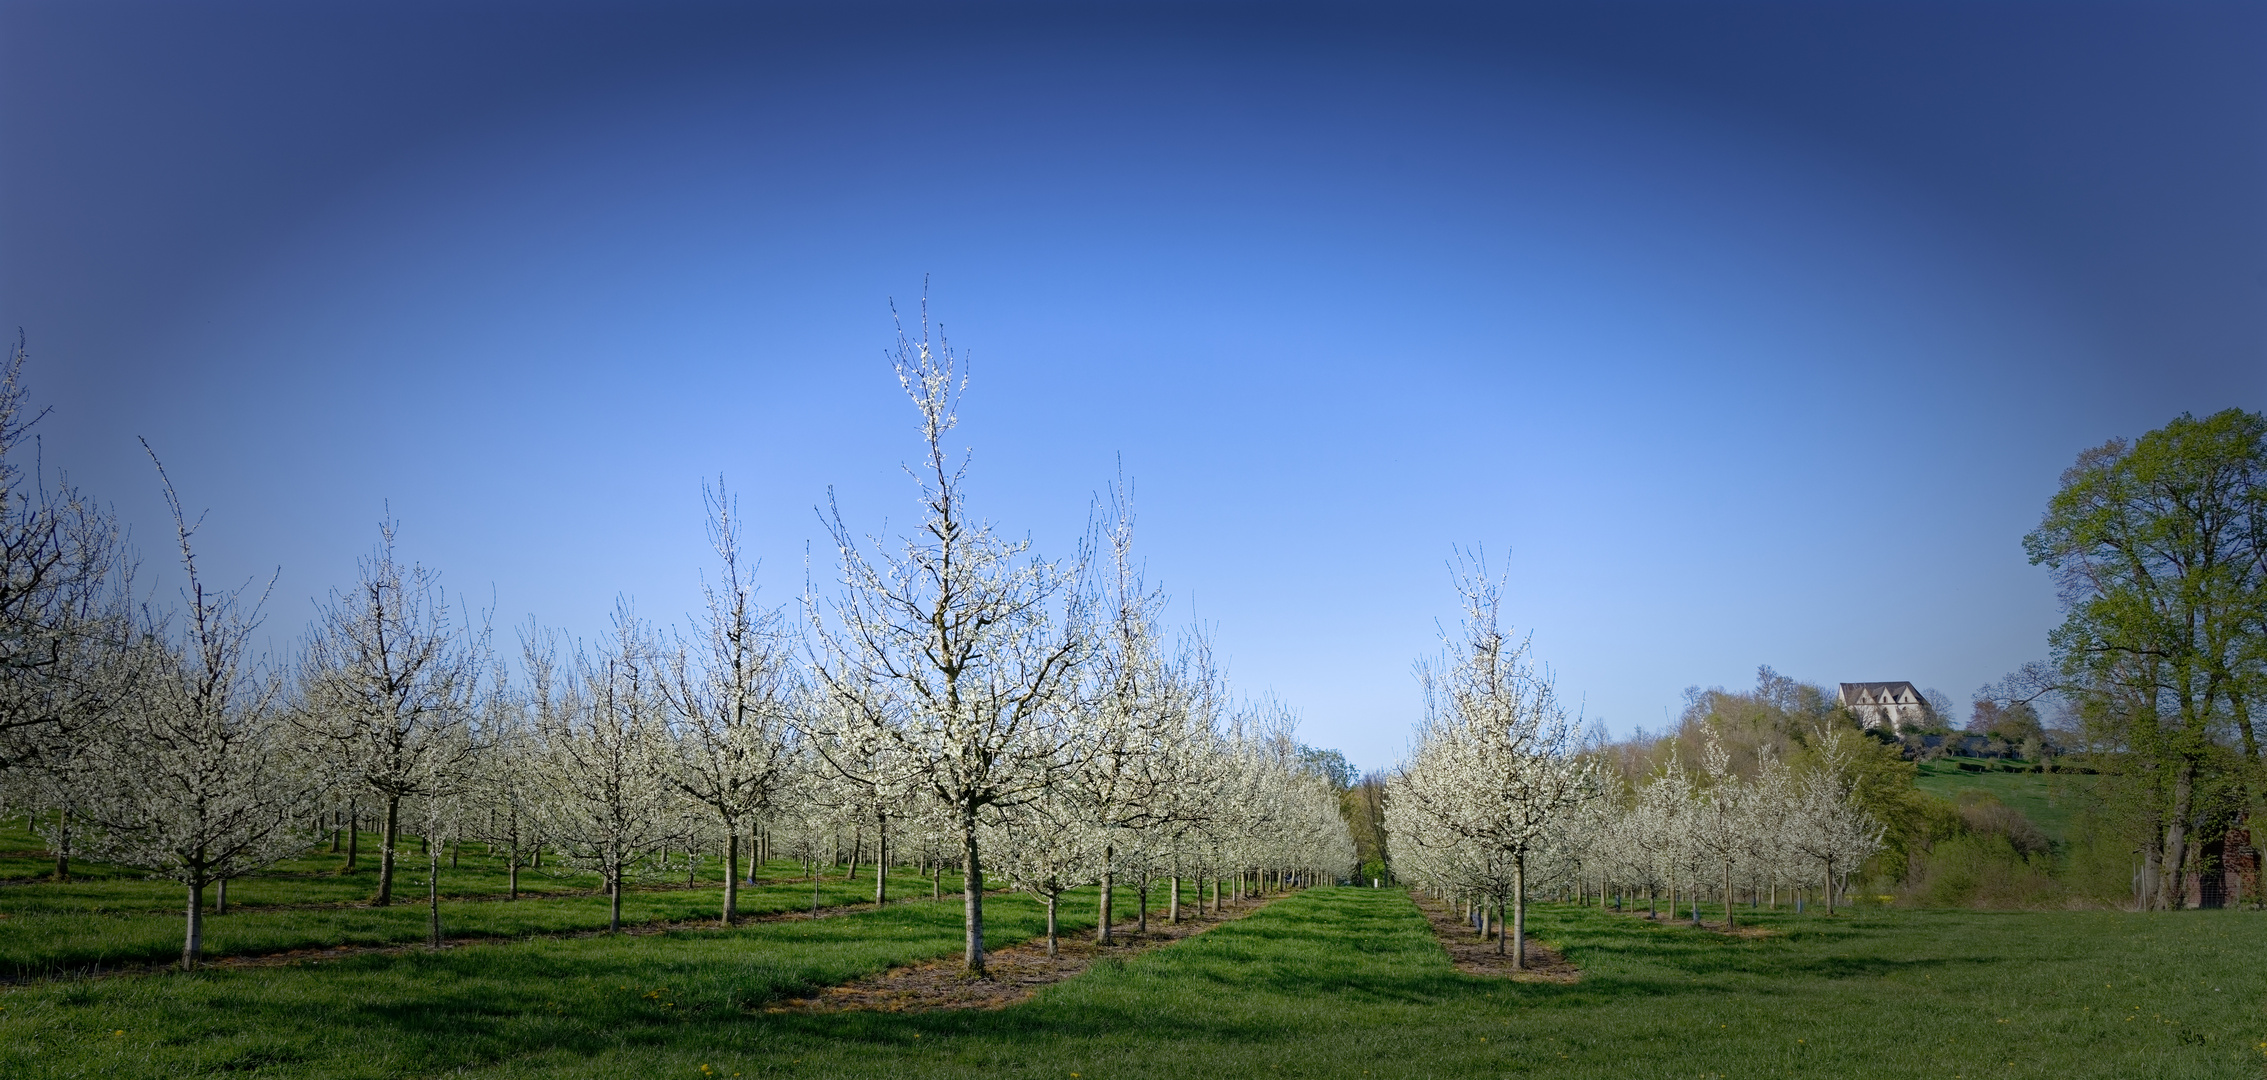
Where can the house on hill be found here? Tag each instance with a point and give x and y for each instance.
(1895, 705)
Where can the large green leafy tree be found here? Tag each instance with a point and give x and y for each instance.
(2157, 547)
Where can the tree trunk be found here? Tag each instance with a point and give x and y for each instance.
(353, 835)
(386, 843)
(972, 894)
(1829, 886)
(193, 945)
(335, 830)
(62, 845)
(1141, 897)
(1502, 939)
(1728, 894)
(2242, 707)
(1052, 899)
(881, 860)
(1173, 906)
(220, 897)
(814, 885)
(614, 900)
(433, 896)
(1102, 902)
(1519, 913)
(731, 875)
(512, 867)
(2175, 870)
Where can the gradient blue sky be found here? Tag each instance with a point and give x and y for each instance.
(1737, 333)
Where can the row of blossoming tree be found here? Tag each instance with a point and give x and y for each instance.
(956, 701)
(1502, 797)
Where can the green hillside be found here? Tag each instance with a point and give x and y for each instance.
(2051, 800)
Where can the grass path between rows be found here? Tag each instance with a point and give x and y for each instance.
(1328, 982)
(1352, 983)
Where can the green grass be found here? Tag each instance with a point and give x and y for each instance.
(43, 943)
(106, 917)
(2050, 800)
(1331, 982)
(417, 1012)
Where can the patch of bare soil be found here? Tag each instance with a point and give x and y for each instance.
(1012, 973)
(1474, 955)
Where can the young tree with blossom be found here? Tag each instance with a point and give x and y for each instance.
(612, 803)
(730, 692)
(389, 687)
(203, 781)
(1495, 765)
(957, 647)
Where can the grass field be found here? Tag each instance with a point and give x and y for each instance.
(1330, 982)
(2050, 800)
(107, 917)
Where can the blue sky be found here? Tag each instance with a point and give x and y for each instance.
(1738, 334)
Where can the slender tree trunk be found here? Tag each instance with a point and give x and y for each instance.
(1174, 905)
(391, 837)
(1519, 913)
(881, 859)
(62, 845)
(512, 868)
(1829, 883)
(2242, 707)
(1052, 898)
(972, 893)
(614, 900)
(353, 834)
(1141, 896)
(1102, 902)
(220, 897)
(433, 896)
(1502, 942)
(731, 875)
(1727, 894)
(814, 885)
(335, 830)
(193, 945)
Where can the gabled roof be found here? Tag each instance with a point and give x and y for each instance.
(1880, 693)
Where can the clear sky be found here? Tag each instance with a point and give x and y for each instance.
(1737, 333)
